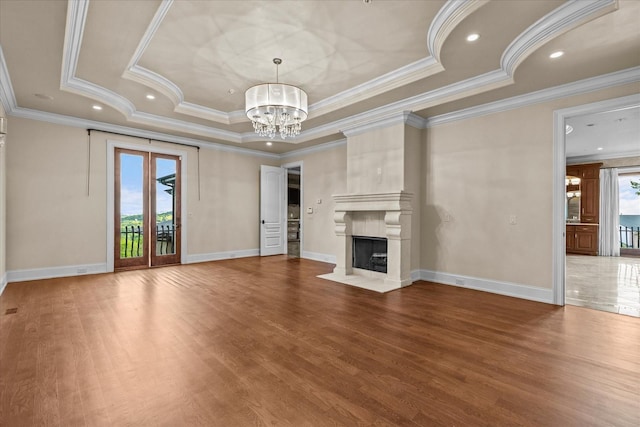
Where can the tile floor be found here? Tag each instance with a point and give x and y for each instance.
(604, 283)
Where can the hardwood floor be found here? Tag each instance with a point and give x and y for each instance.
(262, 341)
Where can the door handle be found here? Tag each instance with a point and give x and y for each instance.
(263, 221)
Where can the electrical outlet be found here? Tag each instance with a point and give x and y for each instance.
(513, 220)
(446, 217)
(319, 201)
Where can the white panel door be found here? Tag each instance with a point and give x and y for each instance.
(272, 211)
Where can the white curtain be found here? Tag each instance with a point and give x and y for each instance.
(609, 213)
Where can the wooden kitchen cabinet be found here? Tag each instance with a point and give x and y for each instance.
(590, 200)
(587, 171)
(582, 239)
(571, 238)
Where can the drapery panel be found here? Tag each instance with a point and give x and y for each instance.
(609, 213)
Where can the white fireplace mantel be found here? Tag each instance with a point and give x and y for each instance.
(394, 201)
(397, 210)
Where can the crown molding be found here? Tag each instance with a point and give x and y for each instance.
(447, 18)
(153, 26)
(74, 29)
(405, 117)
(7, 96)
(575, 160)
(27, 113)
(630, 75)
(558, 21)
(407, 74)
(315, 149)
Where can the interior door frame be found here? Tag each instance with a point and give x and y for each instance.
(559, 260)
(288, 166)
(110, 214)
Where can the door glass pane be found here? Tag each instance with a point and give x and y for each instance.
(131, 206)
(165, 206)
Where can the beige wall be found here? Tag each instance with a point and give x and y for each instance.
(480, 171)
(324, 174)
(375, 161)
(3, 221)
(477, 172)
(54, 222)
(414, 143)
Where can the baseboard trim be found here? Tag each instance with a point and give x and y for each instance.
(217, 256)
(3, 283)
(53, 272)
(486, 285)
(316, 256)
(415, 275)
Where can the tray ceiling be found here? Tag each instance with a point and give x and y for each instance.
(359, 62)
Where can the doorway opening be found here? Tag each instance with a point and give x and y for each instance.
(147, 209)
(591, 268)
(293, 212)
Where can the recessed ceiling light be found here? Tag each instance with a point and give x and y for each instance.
(43, 96)
(600, 148)
(269, 144)
(151, 97)
(97, 107)
(556, 54)
(473, 37)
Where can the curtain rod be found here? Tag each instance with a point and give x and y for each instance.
(148, 139)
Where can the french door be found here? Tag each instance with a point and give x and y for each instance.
(147, 209)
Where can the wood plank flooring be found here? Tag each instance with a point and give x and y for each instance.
(262, 341)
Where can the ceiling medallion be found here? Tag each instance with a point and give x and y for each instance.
(276, 108)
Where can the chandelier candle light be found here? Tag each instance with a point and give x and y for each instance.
(276, 108)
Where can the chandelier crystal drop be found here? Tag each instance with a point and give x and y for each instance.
(276, 108)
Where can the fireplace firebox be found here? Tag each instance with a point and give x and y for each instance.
(370, 253)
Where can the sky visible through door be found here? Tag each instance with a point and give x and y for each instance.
(131, 189)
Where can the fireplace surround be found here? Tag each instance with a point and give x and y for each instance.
(393, 212)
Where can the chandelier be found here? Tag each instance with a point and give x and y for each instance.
(276, 108)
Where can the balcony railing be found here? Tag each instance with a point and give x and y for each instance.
(132, 240)
(629, 237)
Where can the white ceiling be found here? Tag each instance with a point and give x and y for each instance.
(358, 62)
(605, 135)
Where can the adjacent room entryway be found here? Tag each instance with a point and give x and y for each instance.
(147, 209)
